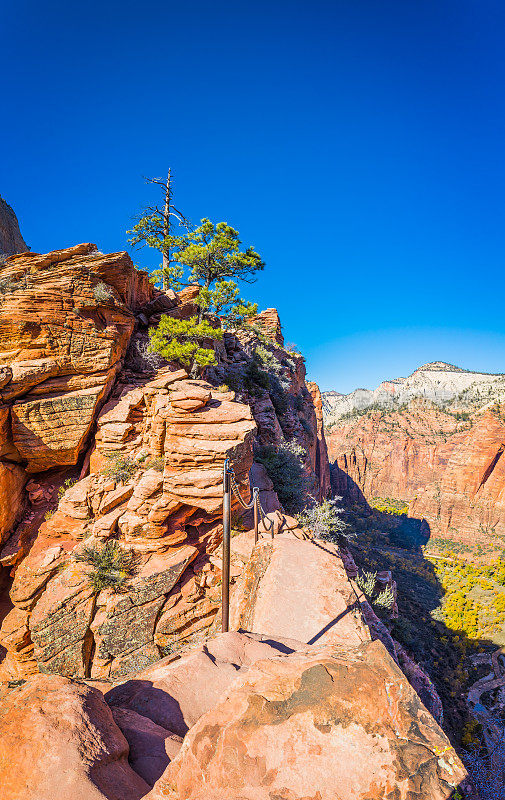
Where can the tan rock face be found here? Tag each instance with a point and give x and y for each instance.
(160, 495)
(337, 725)
(65, 322)
(58, 739)
(451, 473)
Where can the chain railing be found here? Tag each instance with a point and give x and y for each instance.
(230, 487)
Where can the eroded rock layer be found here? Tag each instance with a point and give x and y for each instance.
(450, 471)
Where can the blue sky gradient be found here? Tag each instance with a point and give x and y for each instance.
(358, 145)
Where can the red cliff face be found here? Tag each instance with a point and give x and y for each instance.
(450, 472)
(322, 467)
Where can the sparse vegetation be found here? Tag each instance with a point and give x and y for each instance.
(366, 582)
(155, 462)
(66, 485)
(324, 520)
(284, 465)
(110, 565)
(387, 505)
(103, 293)
(119, 467)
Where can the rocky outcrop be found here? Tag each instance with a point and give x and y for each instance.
(65, 322)
(11, 240)
(322, 465)
(439, 383)
(341, 723)
(269, 322)
(286, 407)
(165, 509)
(58, 738)
(244, 714)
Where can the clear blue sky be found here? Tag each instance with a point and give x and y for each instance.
(359, 145)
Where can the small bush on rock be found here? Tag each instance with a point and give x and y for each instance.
(155, 462)
(119, 467)
(102, 293)
(284, 465)
(324, 520)
(111, 566)
(185, 341)
(366, 582)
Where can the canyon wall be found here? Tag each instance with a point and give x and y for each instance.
(449, 470)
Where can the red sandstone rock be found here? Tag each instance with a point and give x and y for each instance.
(151, 746)
(58, 379)
(451, 473)
(322, 464)
(270, 323)
(176, 693)
(339, 725)
(299, 590)
(58, 739)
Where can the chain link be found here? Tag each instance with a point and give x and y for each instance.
(267, 524)
(237, 494)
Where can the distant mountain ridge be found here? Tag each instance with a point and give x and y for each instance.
(438, 382)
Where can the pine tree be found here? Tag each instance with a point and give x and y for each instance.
(187, 341)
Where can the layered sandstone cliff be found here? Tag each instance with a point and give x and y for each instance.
(443, 460)
(102, 442)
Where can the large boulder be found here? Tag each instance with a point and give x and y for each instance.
(58, 739)
(336, 725)
(174, 694)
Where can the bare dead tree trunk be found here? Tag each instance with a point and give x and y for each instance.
(166, 231)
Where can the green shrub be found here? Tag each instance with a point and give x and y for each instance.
(184, 340)
(255, 378)
(103, 293)
(284, 465)
(119, 467)
(111, 566)
(385, 599)
(324, 521)
(366, 582)
(63, 488)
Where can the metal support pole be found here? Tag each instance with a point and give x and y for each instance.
(255, 506)
(226, 548)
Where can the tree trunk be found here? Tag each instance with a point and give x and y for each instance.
(166, 232)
